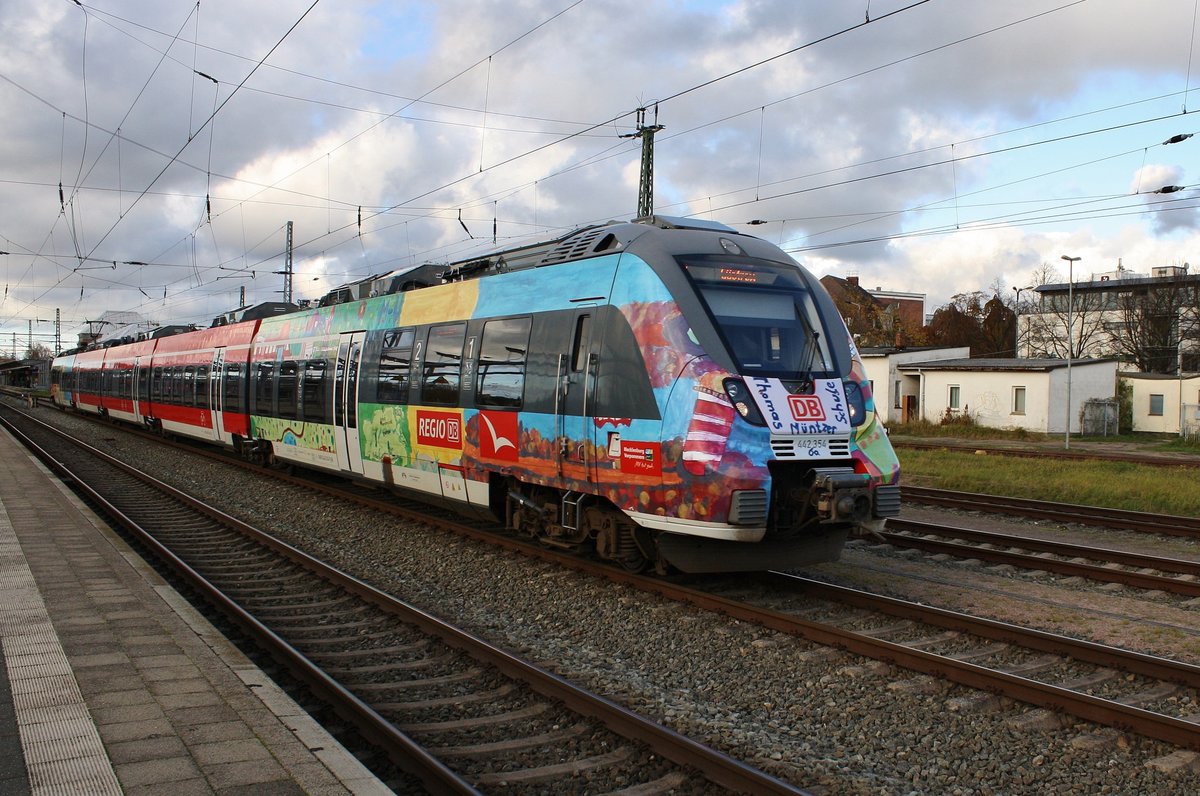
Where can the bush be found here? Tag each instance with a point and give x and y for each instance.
(962, 418)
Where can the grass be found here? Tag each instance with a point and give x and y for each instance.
(1165, 490)
(929, 429)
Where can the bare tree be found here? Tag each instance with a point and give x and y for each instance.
(1045, 331)
(1155, 318)
(39, 351)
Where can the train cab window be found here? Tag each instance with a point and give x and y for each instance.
(443, 364)
(770, 321)
(288, 383)
(187, 396)
(202, 386)
(502, 357)
(264, 386)
(313, 392)
(233, 387)
(395, 362)
(579, 349)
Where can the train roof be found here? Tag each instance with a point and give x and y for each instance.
(579, 244)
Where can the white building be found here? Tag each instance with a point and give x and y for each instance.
(1157, 400)
(1000, 393)
(897, 394)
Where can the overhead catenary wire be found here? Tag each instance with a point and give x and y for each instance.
(358, 218)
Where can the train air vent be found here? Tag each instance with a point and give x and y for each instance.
(748, 507)
(798, 447)
(887, 501)
(587, 243)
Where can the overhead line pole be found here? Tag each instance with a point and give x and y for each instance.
(646, 182)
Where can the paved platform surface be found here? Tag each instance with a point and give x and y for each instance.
(111, 683)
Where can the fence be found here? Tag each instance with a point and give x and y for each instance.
(1101, 418)
(1191, 421)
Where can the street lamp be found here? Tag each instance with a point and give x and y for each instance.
(1070, 337)
(1017, 320)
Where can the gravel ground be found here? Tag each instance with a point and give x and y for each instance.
(824, 720)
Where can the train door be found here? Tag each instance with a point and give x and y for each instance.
(345, 401)
(216, 393)
(573, 401)
(135, 390)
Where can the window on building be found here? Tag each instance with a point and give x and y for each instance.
(1018, 402)
(896, 394)
(1156, 405)
(502, 357)
(955, 397)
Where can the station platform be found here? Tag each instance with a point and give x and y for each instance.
(111, 683)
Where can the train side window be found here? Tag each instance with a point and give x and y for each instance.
(287, 389)
(233, 387)
(579, 350)
(143, 383)
(313, 392)
(502, 356)
(202, 386)
(156, 385)
(443, 364)
(395, 364)
(187, 396)
(264, 386)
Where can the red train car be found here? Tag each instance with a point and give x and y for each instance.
(195, 383)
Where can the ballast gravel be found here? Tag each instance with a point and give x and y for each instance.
(824, 720)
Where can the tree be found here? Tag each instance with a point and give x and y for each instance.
(1155, 318)
(1045, 331)
(39, 351)
(998, 329)
(960, 323)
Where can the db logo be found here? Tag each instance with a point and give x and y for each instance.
(440, 429)
(806, 407)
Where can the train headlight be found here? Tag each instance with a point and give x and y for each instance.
(855, 403)
(743, 402)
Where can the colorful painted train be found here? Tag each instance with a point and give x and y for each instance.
(666, 393)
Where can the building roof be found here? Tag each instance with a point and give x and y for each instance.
(997, 364)
(886, 350)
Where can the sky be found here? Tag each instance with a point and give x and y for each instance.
(152, 152)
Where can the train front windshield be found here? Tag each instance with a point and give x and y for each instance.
(768, 318)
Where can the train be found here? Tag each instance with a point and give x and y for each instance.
(661, 393)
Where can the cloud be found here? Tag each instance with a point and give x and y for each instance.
(932, 150)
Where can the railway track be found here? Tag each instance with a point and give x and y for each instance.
(460, 714)
(1086, 561)
(1097, 516)
(1064, 677)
